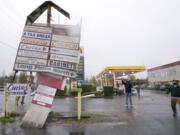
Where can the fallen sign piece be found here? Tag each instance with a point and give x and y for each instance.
(43, 100)
(40, 107)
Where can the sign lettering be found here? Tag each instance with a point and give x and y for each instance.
(38, 35)
(32, 54)
(64, 51)
(17, 89)
(35, 41)
(60, 64)
(33, 61)
(33, 47)
(65, 45)
(64, 58)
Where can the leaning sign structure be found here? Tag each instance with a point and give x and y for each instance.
(53, 52)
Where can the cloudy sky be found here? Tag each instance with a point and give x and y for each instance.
(114, 32)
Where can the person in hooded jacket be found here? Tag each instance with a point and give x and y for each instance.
(175, 95)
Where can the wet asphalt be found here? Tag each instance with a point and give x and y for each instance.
(150, 115)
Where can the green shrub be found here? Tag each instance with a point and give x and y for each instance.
(108, 91)
(88, 88)
(99, 94)
(60, 93)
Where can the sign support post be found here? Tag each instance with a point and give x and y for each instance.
(79, 104)
(16, 104)
(6, 98)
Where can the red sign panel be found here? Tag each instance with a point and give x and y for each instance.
(50, 80)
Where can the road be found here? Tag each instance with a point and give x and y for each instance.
(151, 115)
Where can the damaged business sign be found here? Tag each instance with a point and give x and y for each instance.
(53, 49)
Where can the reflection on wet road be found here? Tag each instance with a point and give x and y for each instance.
(150, 115)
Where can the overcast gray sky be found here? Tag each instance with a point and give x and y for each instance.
(114, 32)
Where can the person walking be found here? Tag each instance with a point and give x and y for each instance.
(138, 88)
(175, 95)
(128, 91)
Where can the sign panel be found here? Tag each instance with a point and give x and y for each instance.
(52, 49)
(17, 89)
(67, 39)
(42, 98)
(33, 47)
(66, 32)
(38, 29)
(71, 30)
(38, 35)
(25, 53)
(49, 80)
(65, 45)
(63, 72)
(37, 68)
(64, 51)
(34, 61)
(61, 64)
(64, 58)
(74, 84)
(35, 41)
(46, 90)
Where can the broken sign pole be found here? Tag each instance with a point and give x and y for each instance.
(42, 50)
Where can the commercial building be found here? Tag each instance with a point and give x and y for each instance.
(164, 73)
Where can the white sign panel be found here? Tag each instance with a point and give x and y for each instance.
(38, 29)
(33, 48)
(66, 39)
(36, 68)
(17, 89)
(65, 45)
(35, 41)
(46, 90)
(63, 72)
(64, 51)
(64, 58)
(32, 54)
(38, 35)
(43, 98)
(61, 64)
(34, 61)
(71, 30)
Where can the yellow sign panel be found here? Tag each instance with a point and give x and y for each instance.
(74, 84)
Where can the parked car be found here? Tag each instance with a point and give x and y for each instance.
(134, 91)
(164, 87)
(119, 91)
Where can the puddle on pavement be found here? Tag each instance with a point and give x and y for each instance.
(76, 133)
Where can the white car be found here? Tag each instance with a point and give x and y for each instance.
(134, 91)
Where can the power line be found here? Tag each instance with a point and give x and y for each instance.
(7, 45)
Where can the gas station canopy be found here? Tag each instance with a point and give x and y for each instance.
(120, 71)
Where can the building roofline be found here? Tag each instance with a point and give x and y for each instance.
(164, 66)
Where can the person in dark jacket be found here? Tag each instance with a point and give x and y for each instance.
(128, 91)
(175, 95)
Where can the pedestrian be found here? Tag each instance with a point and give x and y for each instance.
(138, 88)
(175, 95)
(128, 91)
